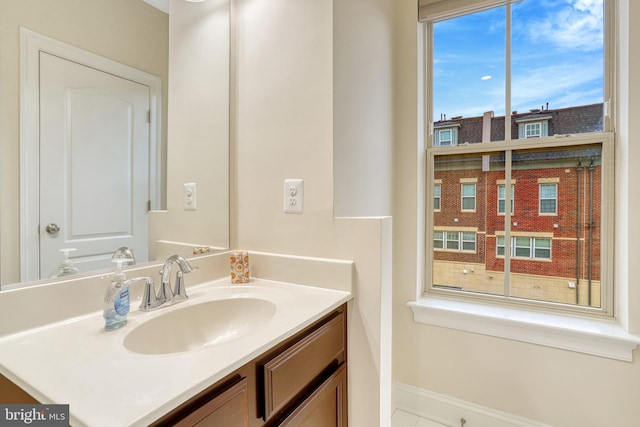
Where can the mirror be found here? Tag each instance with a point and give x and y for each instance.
(188, 50)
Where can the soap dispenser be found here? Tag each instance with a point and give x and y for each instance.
(66, 267)
(116, 299)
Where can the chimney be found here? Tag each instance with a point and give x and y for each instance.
(486, 126)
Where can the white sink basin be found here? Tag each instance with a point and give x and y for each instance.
(199, 325)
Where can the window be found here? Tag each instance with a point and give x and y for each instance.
(532, 130)
(445, 137)
(454, 240)
(548, 199)
(515, 103)
(526, 247)
(437, 189)
(468, 197)
(502, 198)
(536, 128)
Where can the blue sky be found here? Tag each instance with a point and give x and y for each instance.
(557, 57)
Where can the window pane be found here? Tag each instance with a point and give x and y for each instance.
(543, 243)
(547, 206)
(556, 262)
(474, 232)
(469, 66)
(468, 190)
(558, 64)
(548, 191)
(438, 239)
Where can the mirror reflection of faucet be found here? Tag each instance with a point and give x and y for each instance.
(166, 293)
(124, 253)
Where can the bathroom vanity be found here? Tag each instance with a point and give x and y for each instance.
(262, 354)
(301, 381)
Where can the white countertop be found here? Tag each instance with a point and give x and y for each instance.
(77, 362)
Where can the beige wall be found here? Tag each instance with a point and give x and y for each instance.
(112, 29)
(561, 388)
(198, 128)
(285, 121)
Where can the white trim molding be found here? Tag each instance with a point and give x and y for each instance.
(448, 410)
(597, 337)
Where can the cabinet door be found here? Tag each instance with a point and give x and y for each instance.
(228, 409)
(291, 371)
(325, 407)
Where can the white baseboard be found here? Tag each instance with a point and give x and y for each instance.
(449, 410)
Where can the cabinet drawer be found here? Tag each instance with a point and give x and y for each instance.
(326, 407)
(229, 409)
(296, 367)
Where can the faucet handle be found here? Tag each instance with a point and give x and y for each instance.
(180, 292)
(164, 293)
(149, 300)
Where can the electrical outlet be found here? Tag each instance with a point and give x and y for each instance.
(189, 200)
(293, 195)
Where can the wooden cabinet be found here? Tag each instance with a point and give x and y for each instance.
(300, 382)
(292, 372)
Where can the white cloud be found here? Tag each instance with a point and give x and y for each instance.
(577, 24)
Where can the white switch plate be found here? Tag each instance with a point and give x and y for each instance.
(189, 200)
(293, 195)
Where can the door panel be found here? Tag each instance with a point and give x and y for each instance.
(94, 164)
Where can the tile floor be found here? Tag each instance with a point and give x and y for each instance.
(404, 419)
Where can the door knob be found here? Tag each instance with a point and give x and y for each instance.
(52, 228)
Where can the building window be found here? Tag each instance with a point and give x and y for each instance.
(502, 198)
(445, 137)
(454, 240)
(437, 190)
(539, 129)
(548, 199)
(532, 130)
(526, 247)
(469, 197)
(493, 111)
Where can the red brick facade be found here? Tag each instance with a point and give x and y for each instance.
(564, 227)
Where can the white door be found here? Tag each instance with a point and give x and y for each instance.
(94, 164)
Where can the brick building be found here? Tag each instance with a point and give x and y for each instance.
(555, 215)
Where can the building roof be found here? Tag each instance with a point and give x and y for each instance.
(562, 121)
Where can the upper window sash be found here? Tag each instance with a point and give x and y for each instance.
(439, 11)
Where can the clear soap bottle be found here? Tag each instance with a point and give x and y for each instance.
(116, 299)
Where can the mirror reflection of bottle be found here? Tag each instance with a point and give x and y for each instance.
(66, 267)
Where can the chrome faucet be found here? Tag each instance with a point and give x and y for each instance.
(179, 292)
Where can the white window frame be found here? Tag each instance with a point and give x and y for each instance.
(437, 195)
(463, 197)
(531, 247)
(450, 141)
(457, 238)
(528, 126)
(503, 199)
(541, 199)
(583, 334)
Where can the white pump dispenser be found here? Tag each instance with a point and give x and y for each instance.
(66, 267)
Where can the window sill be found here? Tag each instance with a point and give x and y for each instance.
(598, 337)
